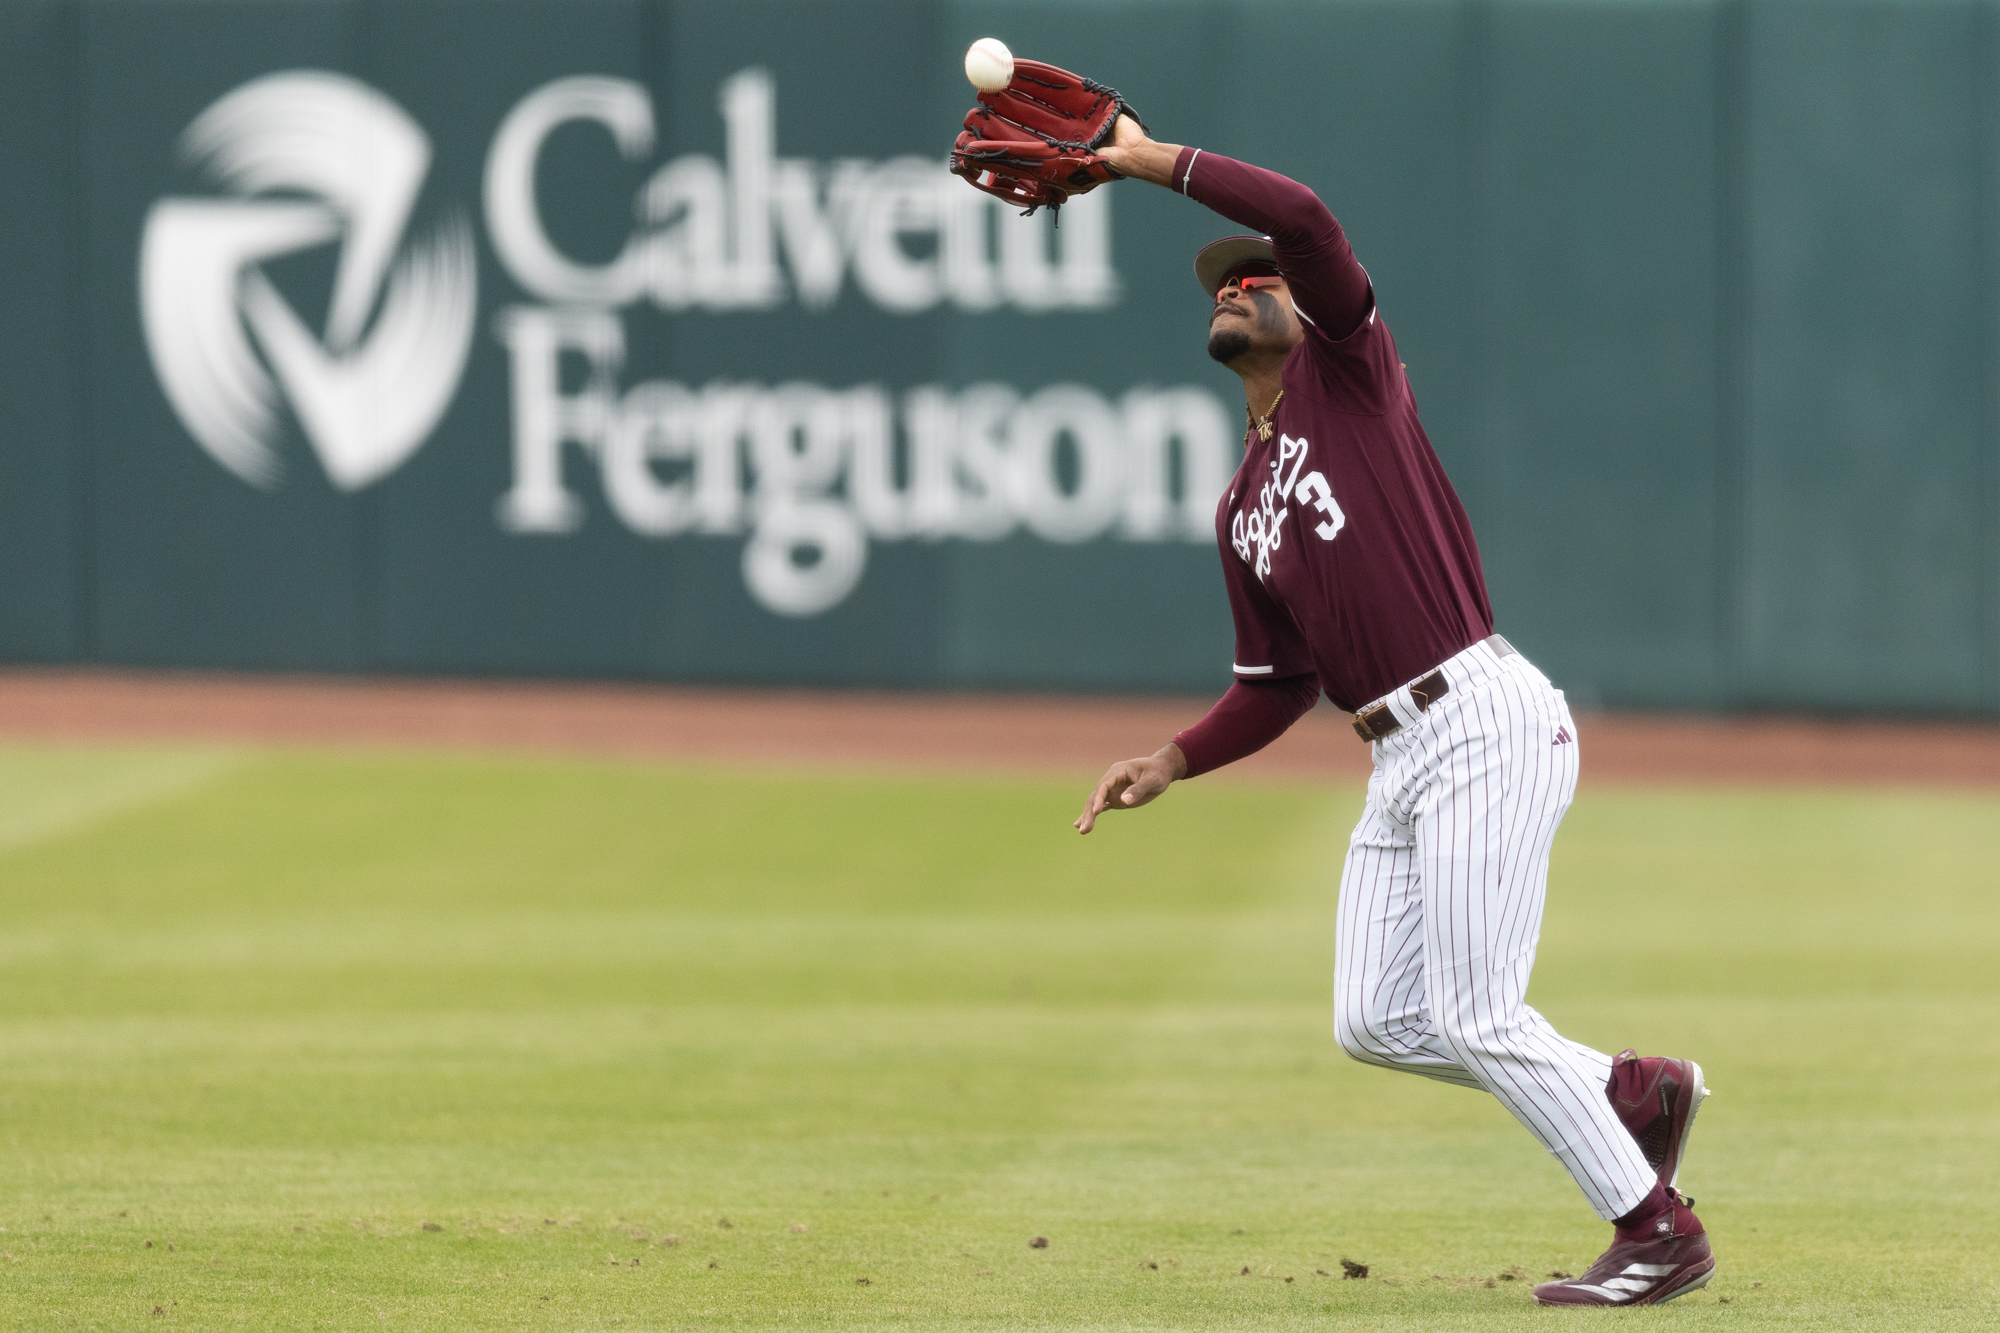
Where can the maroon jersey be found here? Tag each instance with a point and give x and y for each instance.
(1347, 554)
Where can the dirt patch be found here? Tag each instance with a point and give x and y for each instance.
(973, 733)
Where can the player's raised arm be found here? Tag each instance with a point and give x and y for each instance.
(1039, 136)
(1328, 286)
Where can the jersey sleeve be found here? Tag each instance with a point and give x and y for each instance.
(1330, 290)
(1245, 720)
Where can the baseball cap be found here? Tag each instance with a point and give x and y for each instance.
(1213, 261)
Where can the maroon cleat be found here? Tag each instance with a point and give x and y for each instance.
(1657, 1098)
(1667, 1257)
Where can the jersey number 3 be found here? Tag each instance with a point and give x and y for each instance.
(1314, 491)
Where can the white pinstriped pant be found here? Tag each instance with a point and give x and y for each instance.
(1441, 908)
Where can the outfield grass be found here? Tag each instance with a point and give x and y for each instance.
(309, 1041)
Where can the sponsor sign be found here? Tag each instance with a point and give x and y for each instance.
(648, 339)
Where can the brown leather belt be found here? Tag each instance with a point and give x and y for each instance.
(1372, 724)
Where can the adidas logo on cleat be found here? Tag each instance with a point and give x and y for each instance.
(1634, 1282)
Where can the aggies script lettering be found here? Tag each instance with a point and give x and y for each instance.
(1262, 530)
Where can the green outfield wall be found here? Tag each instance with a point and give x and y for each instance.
(617, 339)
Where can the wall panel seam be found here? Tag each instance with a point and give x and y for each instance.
(82, 342)
(1732, 348)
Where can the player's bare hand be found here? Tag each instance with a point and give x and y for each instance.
(1131, 153)
(1129, 785)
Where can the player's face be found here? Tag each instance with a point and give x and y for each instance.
(1253, 313)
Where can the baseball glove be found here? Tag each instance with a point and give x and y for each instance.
(1034, 142)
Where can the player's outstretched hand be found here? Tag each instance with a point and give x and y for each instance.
(1131, 153)
(1129, 785)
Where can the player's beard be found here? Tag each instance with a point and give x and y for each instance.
(1226, 344)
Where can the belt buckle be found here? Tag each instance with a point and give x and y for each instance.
(1364, 725)
(1424, 692)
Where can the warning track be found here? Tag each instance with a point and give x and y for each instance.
(975, 733)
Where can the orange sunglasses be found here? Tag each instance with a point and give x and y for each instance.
(1249, 284)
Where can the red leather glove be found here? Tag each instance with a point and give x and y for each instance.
(1034, 142)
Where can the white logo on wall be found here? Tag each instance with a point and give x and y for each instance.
(808, 473)
(307, 158)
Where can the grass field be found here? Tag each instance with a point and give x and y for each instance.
(343, 1041)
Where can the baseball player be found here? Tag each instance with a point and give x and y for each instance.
(1352, 571)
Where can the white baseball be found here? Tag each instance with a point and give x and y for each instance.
(989, 64)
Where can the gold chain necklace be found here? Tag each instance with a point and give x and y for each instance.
(1262, 425)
